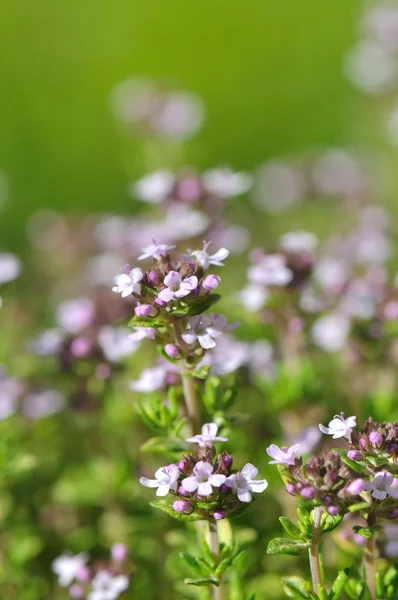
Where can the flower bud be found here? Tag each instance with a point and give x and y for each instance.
(119, 552)
(172, 350)
(224, 489)
(393, 514)
(83, 574)
(219, 515)
(210, 283)
(144, 310)
(160, 303)
(362, 443)
(182, 506)
(76, 591)
(153, 277)
(375, 438)
(355, 487)
(308, 493)
(290, 489)
(80, 347)
(333, 510)
(183, 492)
(354, 455)
(186, 464)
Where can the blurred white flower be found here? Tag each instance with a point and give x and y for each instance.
(270, 270)
(67, 566)
(391, 539)
(330, 332)
(47, 343)
(226, 183)
(43, 403)
(253, 296)
(106, 586)
(381, 23)
(370, 67)
(338, 172)
(10, 392)
(205, 260)
(298, 241)
(154, 187)
(277, 186)
(10, 267)
(75, 315)
(116, 343)
(151, 379)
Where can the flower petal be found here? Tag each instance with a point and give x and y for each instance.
(249, 471)
(190, 484)
(217, 480)
(150, 483)
(244, 496)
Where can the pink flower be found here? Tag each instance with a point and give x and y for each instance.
(283, 456)
(203, 480)
(177, 287)
(208, 436)
(243, 483)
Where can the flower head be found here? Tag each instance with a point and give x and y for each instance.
(106, 586)
(155, 251)
(176, 287)
(205, 260)
(206, 329)
(203, 480)
(128, 282)
(283, 456)
(382, 486)
(67, 566)
(339, 427)
(226, 183)
(208, 436)
(165, 480)
(243, 483)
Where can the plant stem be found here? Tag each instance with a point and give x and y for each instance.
(188, 385)
(370, 565)
(217, 591)
(313, 551)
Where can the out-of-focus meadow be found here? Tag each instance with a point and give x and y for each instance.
(310, 135)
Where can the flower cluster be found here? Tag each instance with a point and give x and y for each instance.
(102, 581)
(204, 485)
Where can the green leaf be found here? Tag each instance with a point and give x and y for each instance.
(366, 532)
(376, 461)
(190, 560)
(339, 584)
(290, 527)
(197, 308)
(202, 581)
(285, 546)
(201, 373)
(168, 508)
(330, 522)
(359, 466)
(145, 322)
(358, 506)
(296, 587)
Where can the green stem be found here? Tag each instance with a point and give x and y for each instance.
(313, 551)
(217, 591)
(370, 565)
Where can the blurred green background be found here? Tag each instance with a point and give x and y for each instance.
(269, 72)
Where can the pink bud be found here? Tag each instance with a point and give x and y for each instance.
(333, 510)
(160, 303)
(355, 487)
(182, 506)
(375, 438)
(393, 514)
(308, 493)
(219, 515)
(210, 283)
(362, 443)
(290, 488)
(153, 277)
(172, 351)
(119, 552)
(80, 347)
(76, 591)
(144, 310)
(354, 454)
(183, 492)
(83, 574)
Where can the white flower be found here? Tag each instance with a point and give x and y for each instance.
(127, 283)
(228, 356)
(226, 183)
(155, 251)
(271, 269)
(330, 332)
(298, 241)
(340, 427)
(208, 436)
(182, 222)
(338, 172)
(165, 480)
(10, 267)
(283, 456)
(382, 486)
(43, 403)
(105, 586)
(253, 296)
(370, 67)
(203, 479)
(177, 287)
(47, 343)
(141, 333)
(179, 116)
(76, 315)
(206, 329)
(151, 379)
(242, 483)
(116, 343)
(391, 537)
(67, 566)
(153, 188)
(205, 260)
